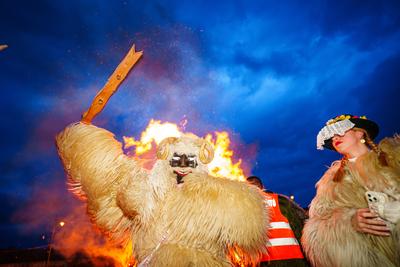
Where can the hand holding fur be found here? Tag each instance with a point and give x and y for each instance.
(329, 238)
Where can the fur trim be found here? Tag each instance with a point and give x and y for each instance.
(206, 214)
(199, 219)
(391, 146)
(182, 256)
(328, 237)
(97, 167)
(223, 206)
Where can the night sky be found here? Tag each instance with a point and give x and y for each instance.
(271, 74)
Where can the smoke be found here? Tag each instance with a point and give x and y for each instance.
(171, 83)
(53, 210)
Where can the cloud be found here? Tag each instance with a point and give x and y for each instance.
(378, 96)
(366, 25)
(269, 73)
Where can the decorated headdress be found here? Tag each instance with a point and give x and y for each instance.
(342, 123)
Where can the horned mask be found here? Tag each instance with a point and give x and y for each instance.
(205, 151)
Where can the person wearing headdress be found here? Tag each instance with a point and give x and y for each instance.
(354, 217)
(286, 223)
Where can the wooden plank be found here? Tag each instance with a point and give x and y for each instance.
(112, 85)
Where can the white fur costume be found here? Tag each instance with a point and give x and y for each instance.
(192, 225)
(329, 239)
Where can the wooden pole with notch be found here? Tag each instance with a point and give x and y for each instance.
(111, 85)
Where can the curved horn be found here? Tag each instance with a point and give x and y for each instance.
(163, 147)
(206, 154)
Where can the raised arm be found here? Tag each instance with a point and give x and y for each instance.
(97, 169)
(95, 163)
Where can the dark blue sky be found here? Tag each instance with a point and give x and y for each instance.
(269, 73)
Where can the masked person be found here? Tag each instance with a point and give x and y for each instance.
(284, 232)
(175, 214)
(354, 217)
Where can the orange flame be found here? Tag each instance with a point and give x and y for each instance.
(222, 164)
(76, 233)
(155, 131)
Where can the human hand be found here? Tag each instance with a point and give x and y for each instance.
(366, 221)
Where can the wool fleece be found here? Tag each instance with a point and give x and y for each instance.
(329, 239)
(194, 223)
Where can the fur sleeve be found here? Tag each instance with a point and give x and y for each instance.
(96, 168)
(326, 231)
(328, 236)
(322, 204)
(391, 146)
(245, 217)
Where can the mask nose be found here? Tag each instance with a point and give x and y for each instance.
(183, 161)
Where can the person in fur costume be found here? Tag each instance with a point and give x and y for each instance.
(354, 217)
(176, 214)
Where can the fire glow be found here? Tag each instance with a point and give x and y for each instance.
(79, 236)
(222, 164)
(82, 236)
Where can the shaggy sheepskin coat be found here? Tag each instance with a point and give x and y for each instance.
(169, 225)
(328, 237)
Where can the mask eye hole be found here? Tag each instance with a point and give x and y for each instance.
(183, 161)
(174, 162)
(192, 161)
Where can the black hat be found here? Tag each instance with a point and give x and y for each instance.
(342, 123)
